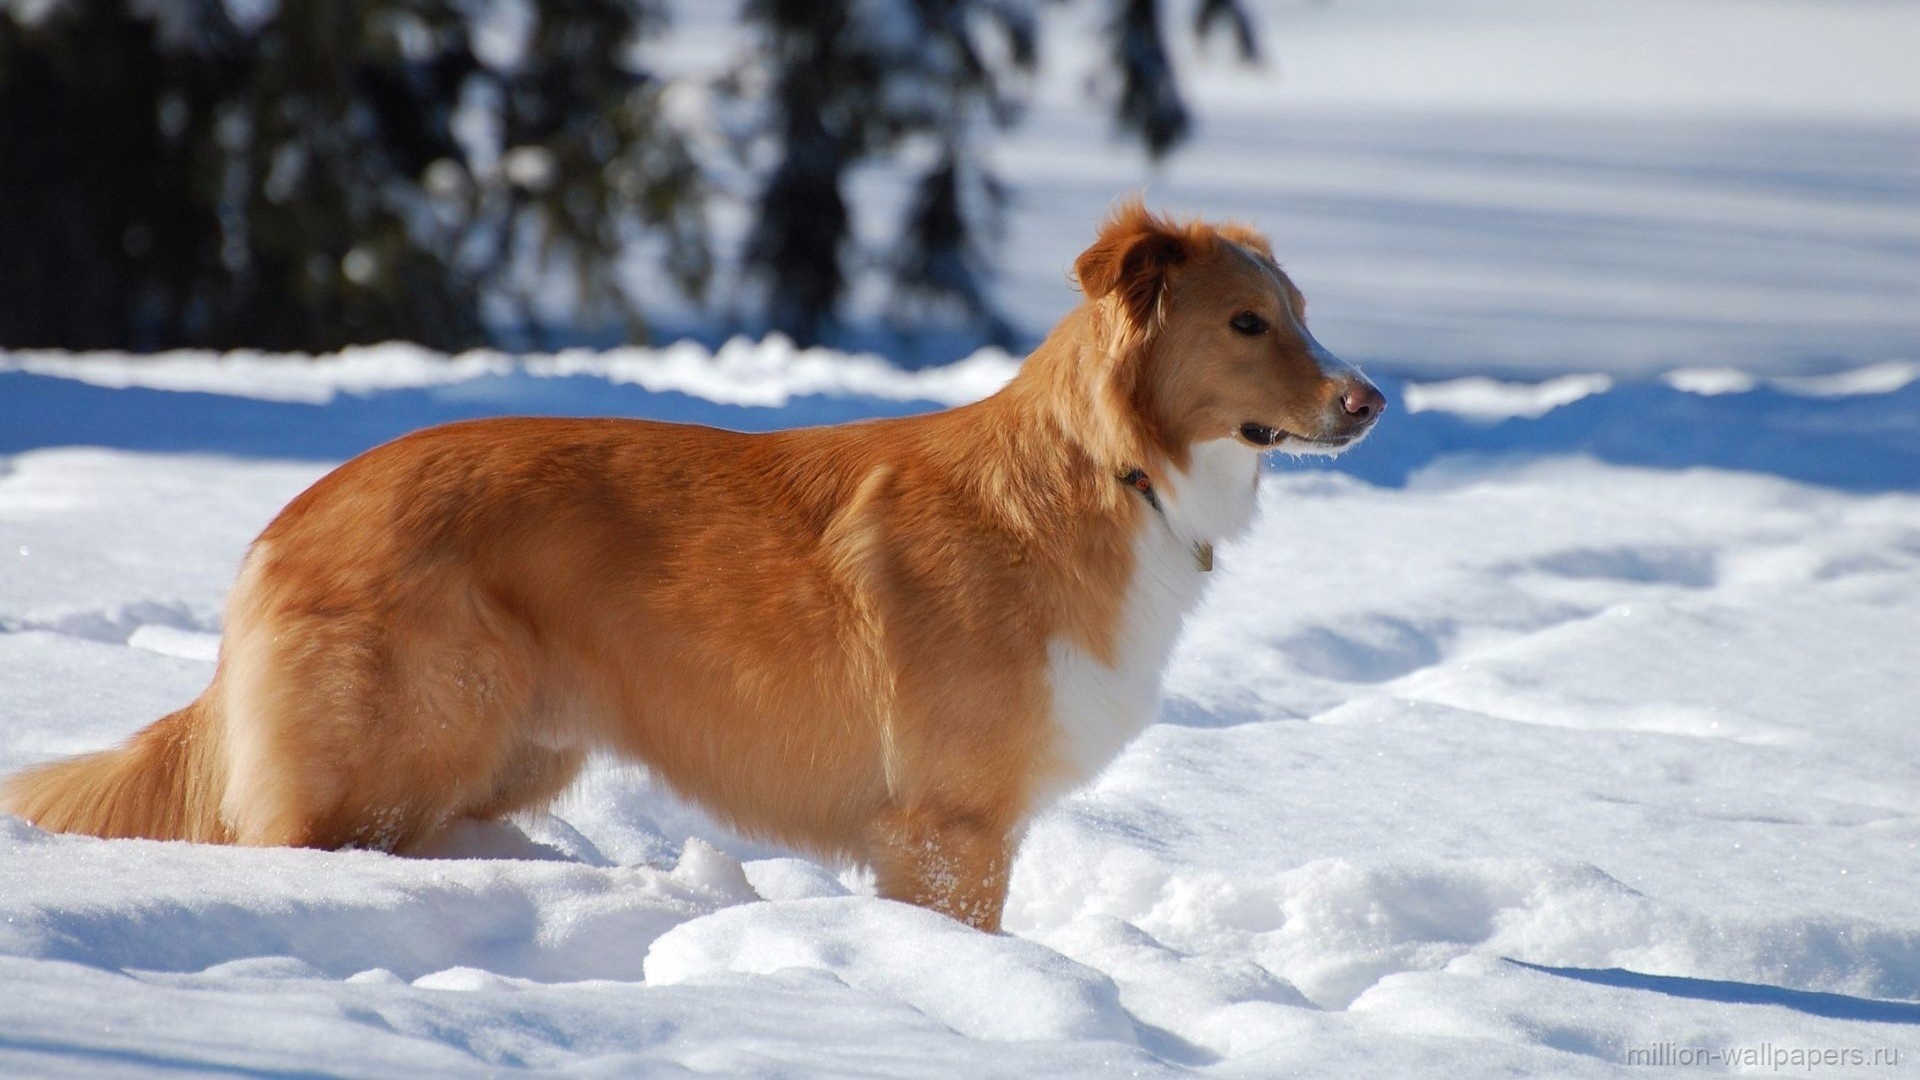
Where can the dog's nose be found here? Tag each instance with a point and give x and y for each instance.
(1363, 401)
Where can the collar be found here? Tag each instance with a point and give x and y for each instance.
(1137, 479)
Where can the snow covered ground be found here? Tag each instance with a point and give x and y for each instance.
(1567, 727)
(1561, 727)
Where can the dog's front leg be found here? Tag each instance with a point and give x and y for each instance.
(953, 862)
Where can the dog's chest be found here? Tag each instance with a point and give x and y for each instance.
(1098, 707)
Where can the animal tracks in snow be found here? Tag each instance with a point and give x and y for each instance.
(170, 628)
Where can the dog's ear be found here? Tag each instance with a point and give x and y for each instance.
(1131, 258)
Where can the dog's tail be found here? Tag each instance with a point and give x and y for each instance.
(164, 784)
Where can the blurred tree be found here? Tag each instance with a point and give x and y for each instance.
(304, 174)
(846, 81)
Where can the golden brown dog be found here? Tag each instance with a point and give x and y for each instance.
(889, 642)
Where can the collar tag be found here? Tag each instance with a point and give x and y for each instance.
(1140, 482)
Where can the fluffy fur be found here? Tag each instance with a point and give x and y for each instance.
(888, 642)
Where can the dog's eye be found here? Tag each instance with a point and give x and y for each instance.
(1248, 323)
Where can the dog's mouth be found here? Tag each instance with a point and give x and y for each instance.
(1267, 437)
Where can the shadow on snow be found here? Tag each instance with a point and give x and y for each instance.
(1813, 1003)
(1862, 442)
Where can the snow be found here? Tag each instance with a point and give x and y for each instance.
(1565, 728)
(1527, 760)
(1463, 243)
(770, 372)
(1493, 399)
(997, 989)
(1817, 59)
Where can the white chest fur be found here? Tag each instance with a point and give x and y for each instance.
(1099, 707)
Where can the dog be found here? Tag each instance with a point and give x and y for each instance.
(889, 642)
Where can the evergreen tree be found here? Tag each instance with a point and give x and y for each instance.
(311, 173)
(854, 80)
(305, 174)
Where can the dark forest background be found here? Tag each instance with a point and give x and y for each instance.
(307, 174)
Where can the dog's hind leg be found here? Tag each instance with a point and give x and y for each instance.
(347, 730)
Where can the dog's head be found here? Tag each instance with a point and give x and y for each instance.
(1211, 341)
